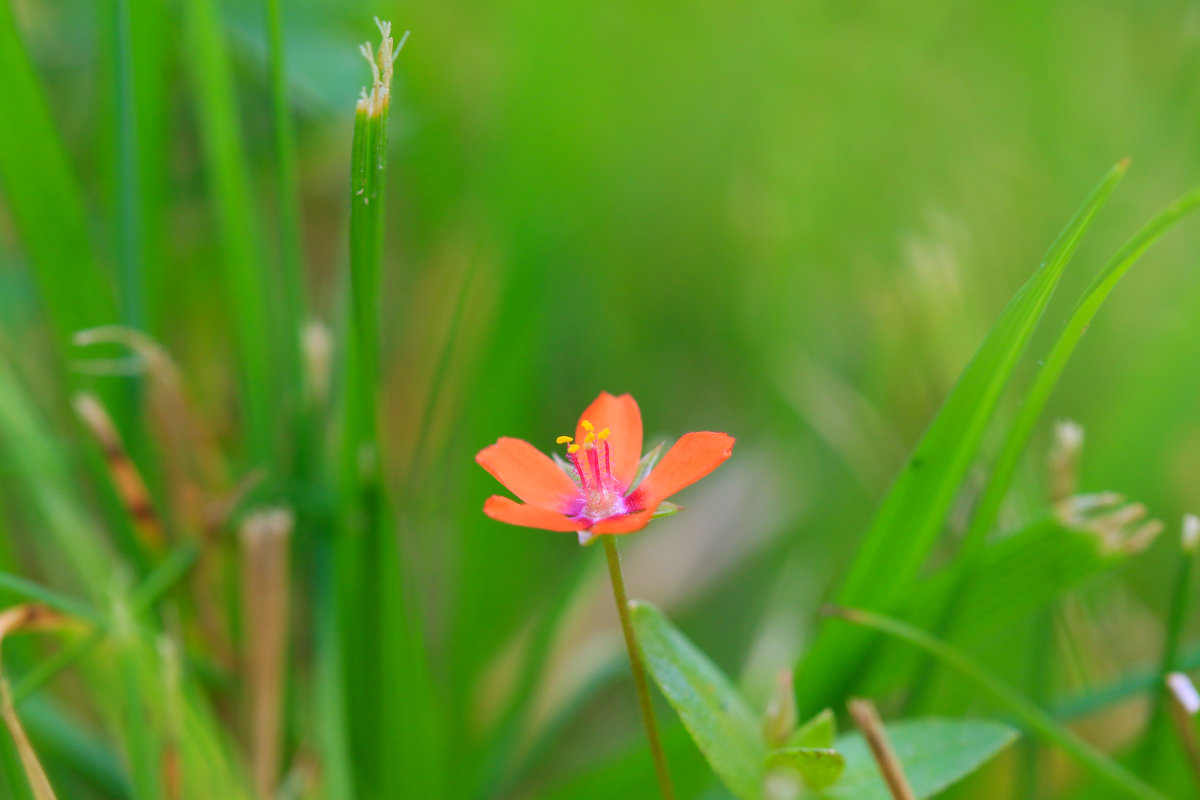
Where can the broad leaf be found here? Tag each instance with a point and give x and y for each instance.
(934, 753)
(727, 732)
(820, 767)
(820, 731)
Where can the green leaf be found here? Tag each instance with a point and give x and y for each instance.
(722, 725)
(666, 509)
(935, 753)
(396, 731)
(820, 767)
(1036, 721)
(646, 465)
(820, 731)
(908, 521)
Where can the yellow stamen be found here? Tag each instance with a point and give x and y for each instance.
(573, 449)
(602, 435)
(565, 439)
(591, 437)
(587, 426)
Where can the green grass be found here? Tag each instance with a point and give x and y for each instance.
(812, 227)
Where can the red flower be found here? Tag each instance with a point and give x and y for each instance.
(599, 490)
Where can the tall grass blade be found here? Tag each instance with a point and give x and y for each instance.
(907, 523)
(130, 211)
(1052, 366)
(247, 281)
(387, 690)
(1055, 362)
(39, 185)
(291, 247)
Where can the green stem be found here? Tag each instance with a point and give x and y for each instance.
(639, 671)
(1035, 719)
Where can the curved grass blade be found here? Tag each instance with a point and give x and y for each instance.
(1056, 360)
(908, 521)
(1021, 430)
(1035, 719)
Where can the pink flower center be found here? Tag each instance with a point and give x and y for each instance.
(603, 494)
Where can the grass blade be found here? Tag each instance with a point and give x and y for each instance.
(1035, 719)
(130, 222)
(248, 287)
(395, 738)
(39, 185)
(1056, 361)
(291, 247)
(911, 516)
(1021, 430)
(1013, 578)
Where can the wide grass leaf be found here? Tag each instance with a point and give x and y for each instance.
(724, 728)
(935, 753)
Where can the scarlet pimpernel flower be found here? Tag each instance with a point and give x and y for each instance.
(604, 484)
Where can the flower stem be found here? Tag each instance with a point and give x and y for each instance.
(639, 671)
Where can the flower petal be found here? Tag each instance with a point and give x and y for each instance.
(626, 523)
(623, 419)
(529, 474)
(507, 510)
(690, 459)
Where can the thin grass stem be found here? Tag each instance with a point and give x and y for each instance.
(639, 670)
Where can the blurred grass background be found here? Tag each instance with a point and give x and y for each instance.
(790, 221)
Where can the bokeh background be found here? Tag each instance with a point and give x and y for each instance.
(791, 221)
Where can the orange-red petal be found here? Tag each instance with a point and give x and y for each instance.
(690, 459)
(529, 474)
(627, 523)
(623, 419)
(507, 510)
